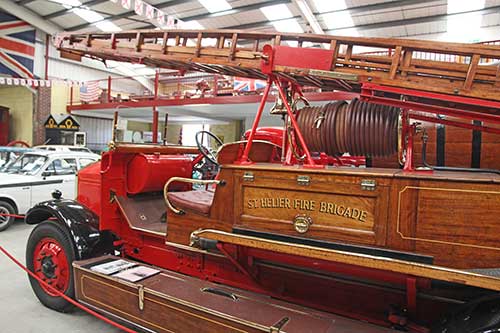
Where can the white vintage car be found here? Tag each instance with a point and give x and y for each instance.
(34, 176)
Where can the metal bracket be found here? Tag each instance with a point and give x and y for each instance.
(333, 75)
(248, 177)
(368, 184)
(141, 297)
(303, 180)
(276, 328)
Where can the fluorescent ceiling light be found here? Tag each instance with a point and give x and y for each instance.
(88, 15)
(349, 32)
(329, 5)
(458, 6)
(68, 3)
(214, 6)
(338, 20)
(107, 26)
(276, 12)
(192, 25)
(290, 25)
(464, 27)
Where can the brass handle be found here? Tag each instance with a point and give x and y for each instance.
(368, 184)
(303, 180)
(248, 177)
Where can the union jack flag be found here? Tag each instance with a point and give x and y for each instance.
(17, 47)
(244, 84)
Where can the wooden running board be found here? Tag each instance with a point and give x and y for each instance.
(362, 260)
(169, 302)
(330, 62)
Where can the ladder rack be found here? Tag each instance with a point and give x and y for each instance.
(329, 62)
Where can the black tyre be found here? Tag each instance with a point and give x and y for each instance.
(6, 221)
(478, 316)
(49, 254)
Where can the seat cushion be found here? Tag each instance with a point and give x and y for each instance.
(197, 201)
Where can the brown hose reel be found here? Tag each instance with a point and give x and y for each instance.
(358, 128)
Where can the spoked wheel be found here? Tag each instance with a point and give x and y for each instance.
(49, 255)
(5, 210)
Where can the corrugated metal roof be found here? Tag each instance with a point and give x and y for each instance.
(369, 17)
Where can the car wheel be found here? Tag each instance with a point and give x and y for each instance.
(49, 254)
(6, 221)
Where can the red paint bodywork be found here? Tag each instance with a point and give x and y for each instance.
(149, 172)
(364, 294)
(276, 135)
(4, 126)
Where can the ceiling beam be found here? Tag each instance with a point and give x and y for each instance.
(418, 20)
(66, 11)
(377, 25)
(161, 5)
(309, 17)
(29, 16)
(24, 2)
(353, 10)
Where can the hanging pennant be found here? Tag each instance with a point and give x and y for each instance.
(41, 83)
(16, 81)
(139, 7)
(22, 82)
(2, 80)
(150, 12)
(160, 17)
(35, 83)
(47, 83)
(127, 4)
(29, 82)
(170, 21)
(9, 81)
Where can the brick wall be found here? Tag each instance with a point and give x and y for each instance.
(42, 111)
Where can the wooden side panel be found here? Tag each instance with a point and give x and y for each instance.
(336, 207)
(160, 315)
(172, 302)
(452, 222)
(180, 227)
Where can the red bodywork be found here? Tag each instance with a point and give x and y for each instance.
(4, 126)
(367, 294)
(276, 135)
(149, 172)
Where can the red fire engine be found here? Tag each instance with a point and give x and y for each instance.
(291, 235)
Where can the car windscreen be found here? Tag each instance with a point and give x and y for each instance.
(27, 164)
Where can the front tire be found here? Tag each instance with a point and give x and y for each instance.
(6, 221)
(49, 254)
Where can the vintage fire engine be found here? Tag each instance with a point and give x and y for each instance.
(291, 236)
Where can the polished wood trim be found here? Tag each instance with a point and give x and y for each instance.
(147, 149)
(380, 263)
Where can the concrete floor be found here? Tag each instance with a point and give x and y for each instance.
(20, 310)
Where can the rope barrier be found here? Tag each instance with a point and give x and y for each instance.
(13, 215)
(69, 299)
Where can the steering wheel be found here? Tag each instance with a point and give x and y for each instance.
(209, 154)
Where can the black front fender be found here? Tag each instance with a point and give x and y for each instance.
(79, 221)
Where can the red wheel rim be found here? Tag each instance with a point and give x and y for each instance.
(51, 265)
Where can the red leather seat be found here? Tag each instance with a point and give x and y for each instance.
(196, 201)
